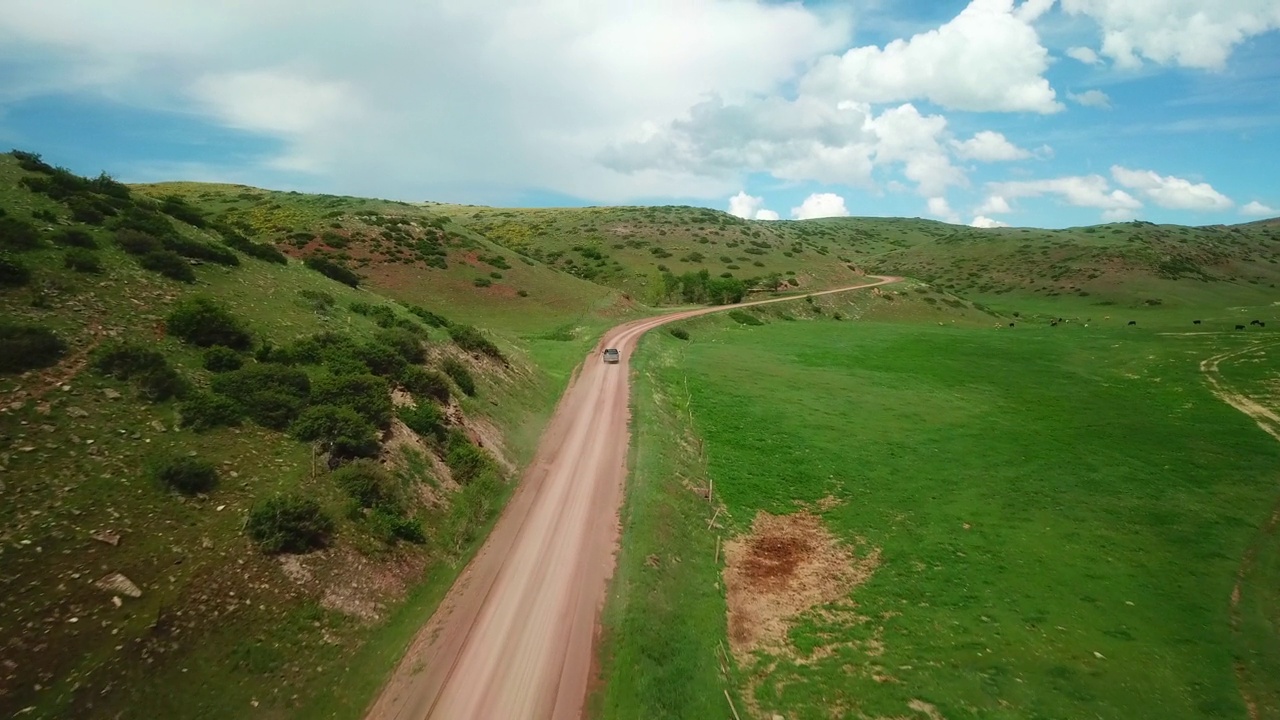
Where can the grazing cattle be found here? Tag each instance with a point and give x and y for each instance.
(1261, 324)
(1053, 324)
(1239, 327)
(1255, 322)
(1010, 324)
(1195, 322)
(1133, 322)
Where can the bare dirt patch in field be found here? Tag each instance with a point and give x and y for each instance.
(786, 565)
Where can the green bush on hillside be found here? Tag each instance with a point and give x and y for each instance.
(365, 482)
(430, 318)
(81, 260)
(290, 523)
(678, 332)
(75, 237)
(137, 243)
(340, 430)
(169, 264)
(405, 342)
(260, 251)
(198, 250)
(13, 273)
(333, 270)
(460, 375)
(426, 419)
(472, 340)
(220, 358)
(204, 323)
(744, 318)
(184, 474)
(368, 395)
(425, 383)
(203, 411)
(272, 395)
(18, 234)
(28, 347)
(146, 368)
(465, 460)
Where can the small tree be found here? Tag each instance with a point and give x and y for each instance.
(185, 474)
(205, 323)
(289, 523)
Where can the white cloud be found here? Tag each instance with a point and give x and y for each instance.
(1187, 33)
(982, 221)
(820, 205)
(940, 208)
(1091, 191)
(1084, 55)
(1090, 98)
(428, 98)
(1119, 214)
(989, 146)
(750, 208)
(1256, 209)
(994, 204)
(1171, 192)
(987, 58)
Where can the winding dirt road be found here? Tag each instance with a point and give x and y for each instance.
(514, 637)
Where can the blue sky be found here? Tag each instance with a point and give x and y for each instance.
(1040, 113)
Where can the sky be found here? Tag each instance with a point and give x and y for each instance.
(1042, 113)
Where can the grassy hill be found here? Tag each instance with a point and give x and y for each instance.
(196, 377)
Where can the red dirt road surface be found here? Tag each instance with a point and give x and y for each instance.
(514, 638)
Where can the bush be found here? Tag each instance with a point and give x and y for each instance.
(426, 418)
(389, 527)
(169, 264)
(340, 431)
(472, 340)
(13, 273)
(161, 384)
(289, 523)
(678, 333)
(204, 323)
(381, 359)
(28, 347)
(185, 474)
(318, 300)
(460, 374)
(272, 395)
(368, 484)
(260, 251)
(333, 270)
(135, 242)
(202, 411)
(82, 260)
(425, 383)
(201, 251)
(222, 359)
(405, 342)
(18, 234)
(745, 318)
(177, 208)
(367, 395)
(429, 317)
(482, 282)
(465, 461)
(74, 237)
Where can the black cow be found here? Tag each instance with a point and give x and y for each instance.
(1255, 322)
(1195, 322)
(1239, 327)
(1053, 323)
(1261, 324)
(1010, 324)
(1133, 322)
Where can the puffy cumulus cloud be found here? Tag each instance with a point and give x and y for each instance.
(750, 207)
(988, 58)
(1090, 98)
(989, 146)
(1171, 192)
(1084, 55)
(1176, 32)
(806, 139)
(820, 205)
(1254, 208)
(435, 97)
(994, 204)
(939, 207)
(1091, 191)
(981, 221)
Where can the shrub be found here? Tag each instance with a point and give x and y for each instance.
(318, 300)
(340, 430)
(289, 523)
(472, 340)
(187, 247)
(82, 260)
(162, 383)
(169, 264)
(466, 461)
(74, 237)
(389, 527)
(18, 234)
(429, 317)
(185, 474)
(13, 273)
(85, 210)
(222, 359)
(204, 323)
(426, 418)
(28, 347)
(368, 484)
(333, 270)
(425, 383)
(272, 395)
(744, 318)
(135, 242)
(381, 359)
(678, 333)
(203, 411)
(126, 360)
(367, 395)
(177, 208)
(460, 374)
(482, 282)
(260, 251)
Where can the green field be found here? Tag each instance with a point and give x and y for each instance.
(1060, 515)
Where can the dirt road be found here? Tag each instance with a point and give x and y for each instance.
(514, 637)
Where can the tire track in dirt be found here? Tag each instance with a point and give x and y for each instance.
(1269, 422)
(514, 637)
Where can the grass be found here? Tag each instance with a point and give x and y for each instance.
(1061, 517)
